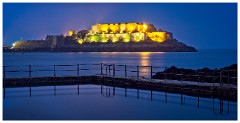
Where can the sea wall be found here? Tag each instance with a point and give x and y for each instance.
(227, 93)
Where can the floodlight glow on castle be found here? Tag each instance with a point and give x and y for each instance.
(125, 32)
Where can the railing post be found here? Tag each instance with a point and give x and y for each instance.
(54, 89)
(166, 73)
(181, 79)
(106, 70)
(113, 70)
(151, 72)
(101, 69)
(30, 75)
(198, 77)
(221, 78)
(30, 91)
(78, 88)
(77, 69)
(113, 90)
(137, 71)
(30, 71)
(4, 90)
(137, 93)
(4, 72)
(125, 70)
(213, 78)
(228, 78)
(54, 70)
(151, 95)
(109, 68)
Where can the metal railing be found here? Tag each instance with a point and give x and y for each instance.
(113, 70)
(105, 69)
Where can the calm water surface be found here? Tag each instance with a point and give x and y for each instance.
(90, 103)
(203, 58)
(194, 60)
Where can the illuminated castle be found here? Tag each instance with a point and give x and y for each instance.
(112, 37)
(125, 32)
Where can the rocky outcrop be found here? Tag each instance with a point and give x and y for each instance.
(72, 46)
(225, 75)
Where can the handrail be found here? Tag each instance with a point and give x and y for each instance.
(111, 69)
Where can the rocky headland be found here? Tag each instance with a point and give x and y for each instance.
(70, 46)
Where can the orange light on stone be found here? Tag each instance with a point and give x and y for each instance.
(122, 28)
(126, 32)
(70, 33)
(104, 28)
(80, 41)
(157, 36)
(145, 27)
(114, 28)
(131, 27)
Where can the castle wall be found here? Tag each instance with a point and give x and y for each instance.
(113, 32)
(157, 36)
(137, 32)
(50, 42)
(32, 44)
(122, 28)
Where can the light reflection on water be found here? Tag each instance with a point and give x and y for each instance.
(194, 60)
(91, 102)
(145, 58)
(144, 61)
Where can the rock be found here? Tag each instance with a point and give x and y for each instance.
(144, 46)
(229, 74)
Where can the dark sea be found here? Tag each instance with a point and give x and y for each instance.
(94, 102)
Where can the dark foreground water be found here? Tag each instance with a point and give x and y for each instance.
(93, 103)
(90, 103)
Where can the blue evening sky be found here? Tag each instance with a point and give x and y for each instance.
(202, 25)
